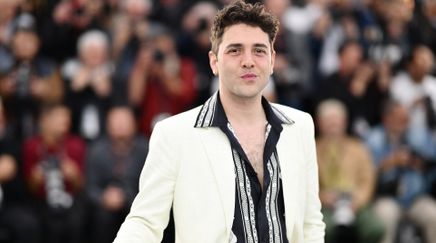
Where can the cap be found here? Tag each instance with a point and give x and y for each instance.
(25, 22)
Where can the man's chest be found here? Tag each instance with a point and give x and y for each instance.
(253, 144)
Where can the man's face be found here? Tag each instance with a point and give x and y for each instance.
(423, 61)
(121, 124)
(397, 121)
(332, 122)
(351, 58)
(244, 61)
(277, 7)
(93, 54)
(25, 45)
(57, 122)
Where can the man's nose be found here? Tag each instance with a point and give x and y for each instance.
(247, 60)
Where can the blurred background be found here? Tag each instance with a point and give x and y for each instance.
(82, 83)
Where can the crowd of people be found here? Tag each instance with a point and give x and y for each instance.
(82, 83)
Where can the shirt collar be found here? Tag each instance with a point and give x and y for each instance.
(212, 114)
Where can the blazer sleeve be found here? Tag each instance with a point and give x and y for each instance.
(149, 214)
(314, 227)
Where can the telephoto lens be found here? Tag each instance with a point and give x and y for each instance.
(57, 197)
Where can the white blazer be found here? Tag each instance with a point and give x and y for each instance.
(192, 170)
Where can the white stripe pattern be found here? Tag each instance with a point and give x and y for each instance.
(246, 200)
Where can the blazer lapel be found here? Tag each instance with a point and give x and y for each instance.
(220, 158)
(289, 152)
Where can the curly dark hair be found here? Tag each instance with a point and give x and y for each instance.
(246, 13)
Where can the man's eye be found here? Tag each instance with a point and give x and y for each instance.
(260, 51)
(233, 51)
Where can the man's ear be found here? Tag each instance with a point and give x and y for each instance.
(273, 59)
(213, 62)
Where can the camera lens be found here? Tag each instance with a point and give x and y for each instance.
(158, 56)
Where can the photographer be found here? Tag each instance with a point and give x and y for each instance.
(113, 166)
(359, 84)
(53, 169)
(161, 83)
(400, 163)
(17, 222)
(89, 83)
(30, 80)
(347, 178)
(415, 89)
(193, 42)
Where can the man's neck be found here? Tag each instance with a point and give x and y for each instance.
(416, 76)
(394, 138)
(50, 140)
(335, 138)
(243, 110)
(121, 146)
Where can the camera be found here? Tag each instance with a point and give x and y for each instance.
(390, 53)
(158, 56)
(343, 214)
(57, 197)
(202, 26)
(22, 79)
(1, 196)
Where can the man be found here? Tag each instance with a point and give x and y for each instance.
(358, 85)
(18, 223)
(53, 166)
(415, 88)
(31, 81)
(162, 83)
(89, 84)
(401, 163)
(114, 163)
(347, 178)
(237, 169)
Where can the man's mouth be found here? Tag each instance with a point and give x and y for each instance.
(249, 76)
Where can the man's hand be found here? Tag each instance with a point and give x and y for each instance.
(8, 168)
(113, 198)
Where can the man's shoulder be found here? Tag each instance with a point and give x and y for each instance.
(293, 114)
(401, 78)
(100, 145)
(182, 120)
(430, 81)
(376, 137)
